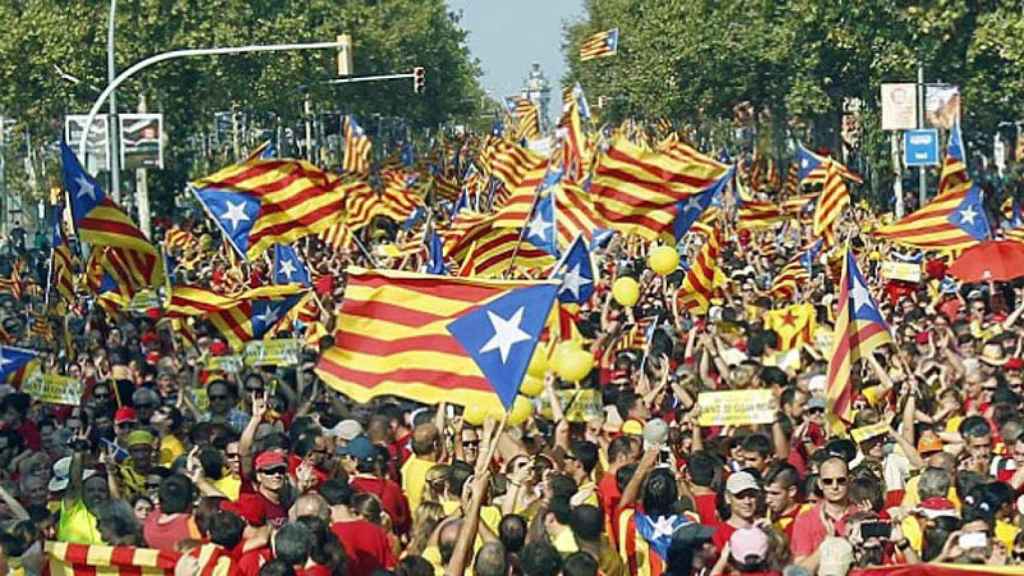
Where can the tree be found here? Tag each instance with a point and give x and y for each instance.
(389, 37)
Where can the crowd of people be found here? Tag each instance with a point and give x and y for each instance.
(271, 472)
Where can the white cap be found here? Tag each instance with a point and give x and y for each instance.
(740, 482)
(346, 430)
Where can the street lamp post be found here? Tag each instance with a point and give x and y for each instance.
(114, 130)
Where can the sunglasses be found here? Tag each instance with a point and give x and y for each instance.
(838, 481)
(218, 397)
(274, 471)
(468, 443)
(256, 390)
(232, 455)
(816, 411)
(152, 485)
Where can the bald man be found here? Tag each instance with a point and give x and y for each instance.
(310, 505)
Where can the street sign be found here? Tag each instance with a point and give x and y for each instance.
(98, 145)
(921, 147)
(899, 106)
(142, 141)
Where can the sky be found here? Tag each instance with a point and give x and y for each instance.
(508, 36)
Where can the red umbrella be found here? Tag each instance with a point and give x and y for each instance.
(998, 260)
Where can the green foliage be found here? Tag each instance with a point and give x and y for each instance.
(694, 60)
(389, 37)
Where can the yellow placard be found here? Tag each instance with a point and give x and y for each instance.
(53, 388)
(230, 364)
(905, 271)
(737, 407)
(577, 405)
(870, 431)
(279, 352)
(143, 301)
(200, 399)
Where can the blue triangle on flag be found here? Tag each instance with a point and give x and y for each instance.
(806, 162)
(12, 359)
(267, 313)
(288, 268)
(83, 190)
(576, 271)
(235, 214)
(970, 215)
(541, 229)
(500, 335)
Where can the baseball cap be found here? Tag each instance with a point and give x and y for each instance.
(346, 430)
(632, 427)
(62, 474)
(740, 482)
(816, 403)
(269, 459)
(836, 557)
(747, 542)
(359, 448)
(145, 396)
(137, 437)
(124, 414)
(1014, 364)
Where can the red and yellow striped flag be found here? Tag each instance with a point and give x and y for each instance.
(402, 334)
(600, 45)
(699, 285)
(833, 199)
(638, 191)
(68, 559)
(794, 324)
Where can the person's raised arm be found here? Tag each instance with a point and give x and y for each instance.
(79, 446)
(259, 409)
(632, 490)
(460, 559)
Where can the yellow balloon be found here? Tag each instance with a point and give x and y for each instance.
(521, 411)
(574, 364)
(538, 363)
(626, 291)
(663, 260)
(474, 414)
(531, 386)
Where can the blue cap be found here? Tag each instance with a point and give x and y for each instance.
(359, 448)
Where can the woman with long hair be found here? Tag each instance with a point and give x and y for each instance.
(424, 522)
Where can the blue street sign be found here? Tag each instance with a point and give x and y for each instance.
(921, 147)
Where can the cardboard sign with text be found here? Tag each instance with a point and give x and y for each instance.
(578, 405)
(905, 271)
(53, 389)
(279, 352)
(737, 407)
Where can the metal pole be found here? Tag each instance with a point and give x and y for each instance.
(897, 165)
(307, 110)
(236, 150)
(115, 136)
(142, 187)
(3, 174)
(922, 183)
(184, 53)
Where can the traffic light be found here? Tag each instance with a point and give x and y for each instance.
(419, 79)
(344, 55)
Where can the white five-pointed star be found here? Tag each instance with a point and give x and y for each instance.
(967, 215)
(4, 361)
(85, 188)
(693, 204)
(539, 227)
(287, 268)
(574, 281)
(805, 163)
(235, 214)
(268, 317)
(860, 296)
(663, 526)
(506, 333)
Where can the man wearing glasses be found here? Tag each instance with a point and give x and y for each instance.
(825, 519)
(265, 500)
(223, 409)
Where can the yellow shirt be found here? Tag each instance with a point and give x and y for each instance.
(565, 542)
(911, 498)
(414, 479)
(1006, 533)
(170, 449)
(77, 525)
(229, 486)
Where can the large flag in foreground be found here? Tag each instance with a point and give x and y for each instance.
(860, 330)
(102, 223)
(264, 202)
(435, 338)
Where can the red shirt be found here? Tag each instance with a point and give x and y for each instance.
(293, 465)
(707, 508)
(809, 530)
(165, 533)
(391, 497)
(253, 560)
(608, 497)
(366, 546)
(255, 505)
(723, 531)
(30, 434)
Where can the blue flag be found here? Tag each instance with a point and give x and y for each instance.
(577, 272)
(288, 268)
(970, 216)
(541, 230)
(807, 162)
(435, 250)
(690, 209)
(234, 213)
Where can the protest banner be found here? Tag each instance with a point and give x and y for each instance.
(905, 271)
(53, 388)
(870, 431)
(737, 407)
(278, 352)
(577, 405)
(230, 364)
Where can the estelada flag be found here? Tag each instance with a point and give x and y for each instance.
(794, 324)
(435, 338)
